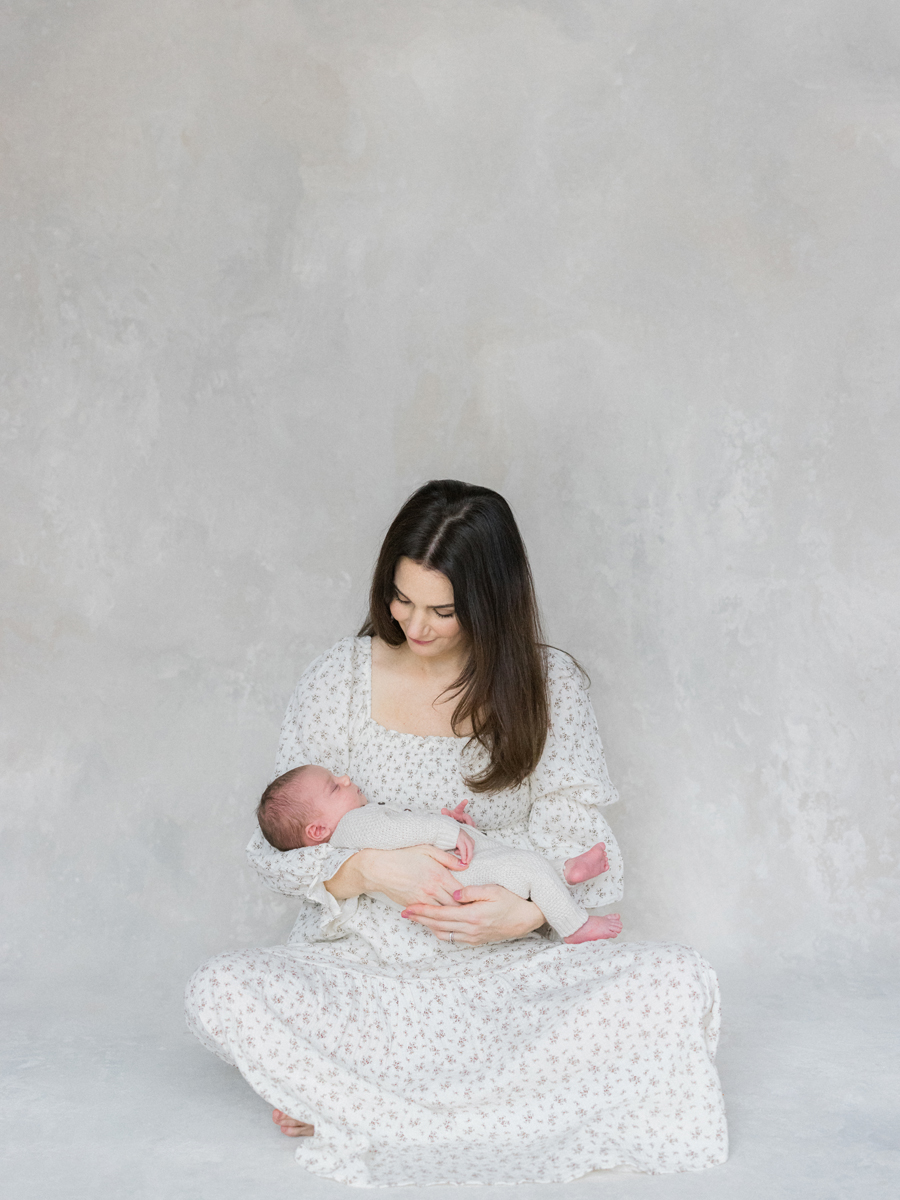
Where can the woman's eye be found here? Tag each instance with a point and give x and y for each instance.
(449, 614)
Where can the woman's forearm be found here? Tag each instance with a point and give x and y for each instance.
(414, 875)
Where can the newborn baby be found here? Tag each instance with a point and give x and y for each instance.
(308, 806)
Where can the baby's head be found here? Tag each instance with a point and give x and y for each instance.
(303, 806)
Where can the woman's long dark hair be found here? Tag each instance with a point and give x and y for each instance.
(469, 534)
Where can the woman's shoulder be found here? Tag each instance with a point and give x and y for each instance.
(564, 673)
(320, 715)
(571, 712)
(573, 755)
(336, 666)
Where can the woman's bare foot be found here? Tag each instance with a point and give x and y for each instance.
(588, 865)
(290, 1127)
(596, 928)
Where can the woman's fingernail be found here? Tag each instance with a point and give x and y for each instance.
(456, 895)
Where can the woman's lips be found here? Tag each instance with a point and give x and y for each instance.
(420, 643)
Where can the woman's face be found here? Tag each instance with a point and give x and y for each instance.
(423, 608)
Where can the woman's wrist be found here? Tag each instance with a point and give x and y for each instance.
(520, 918)
(537, 919)
(350, 879)
(362, 862)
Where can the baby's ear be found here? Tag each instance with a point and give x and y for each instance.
(316, 834)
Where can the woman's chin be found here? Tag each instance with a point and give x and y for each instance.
(437, 648)
(423, 648)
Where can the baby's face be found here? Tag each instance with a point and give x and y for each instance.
(331, 795)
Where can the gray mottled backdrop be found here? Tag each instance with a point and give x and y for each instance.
(269, 265)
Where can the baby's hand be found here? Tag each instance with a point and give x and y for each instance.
(465, 848)
(458, 815)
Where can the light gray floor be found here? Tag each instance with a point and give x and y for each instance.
(103, 1105)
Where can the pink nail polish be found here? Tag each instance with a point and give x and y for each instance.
(456, 894)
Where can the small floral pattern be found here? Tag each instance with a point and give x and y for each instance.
(423, 1063)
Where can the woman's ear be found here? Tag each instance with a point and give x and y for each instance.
(316, 834)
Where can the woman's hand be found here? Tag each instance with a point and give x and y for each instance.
(483, 914)
(414, 875)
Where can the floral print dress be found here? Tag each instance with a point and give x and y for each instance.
(420, 1062)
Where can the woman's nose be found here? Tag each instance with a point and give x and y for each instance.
(418, 625)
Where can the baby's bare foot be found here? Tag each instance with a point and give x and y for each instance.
(588, 865)
(290, 1127)
(596, 928)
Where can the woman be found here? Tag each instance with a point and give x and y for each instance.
(453, 1043)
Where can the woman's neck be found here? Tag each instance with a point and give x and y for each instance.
(412, 694)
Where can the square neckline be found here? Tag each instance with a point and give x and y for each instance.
(421, 737)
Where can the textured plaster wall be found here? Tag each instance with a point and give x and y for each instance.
(267, 266)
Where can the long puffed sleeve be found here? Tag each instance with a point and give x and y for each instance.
(571, 784)
(315, 730)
